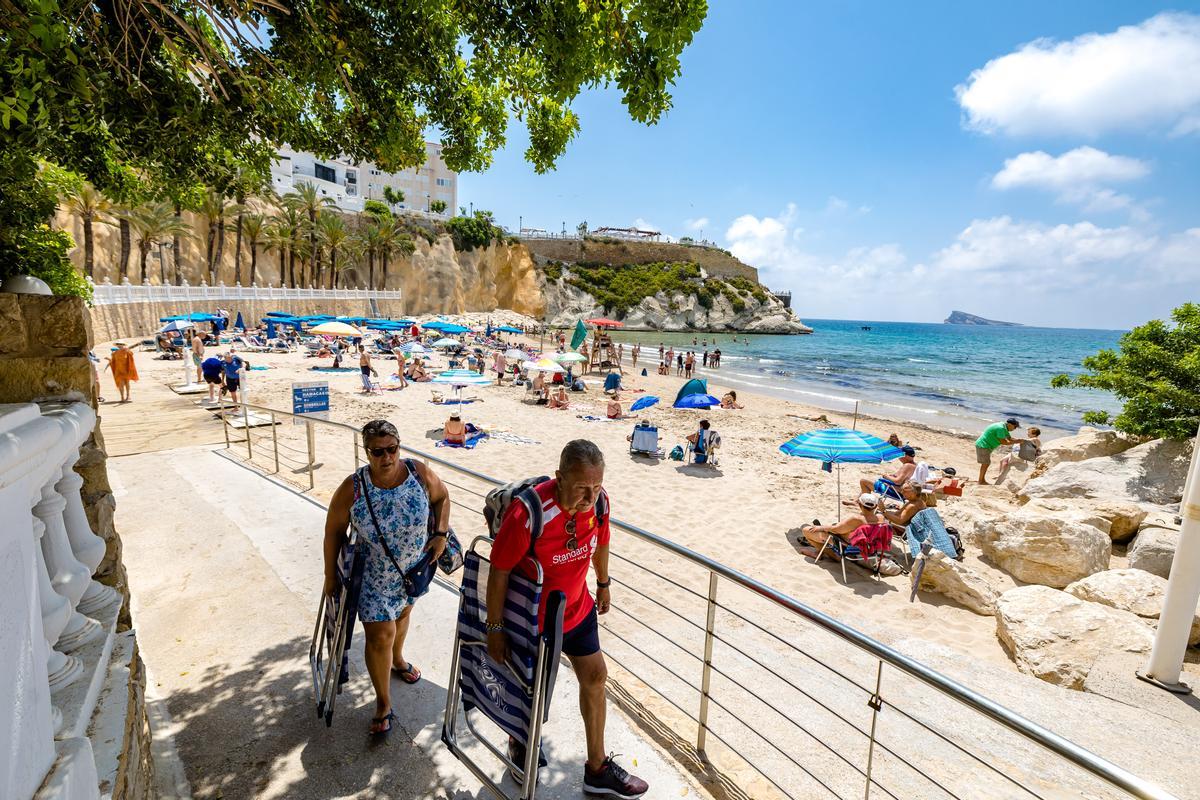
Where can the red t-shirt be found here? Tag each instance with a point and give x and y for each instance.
(561, 569)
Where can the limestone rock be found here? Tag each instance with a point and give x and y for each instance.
(1118, 518)
(1088, 443)
(960, 583)
(1038, 547)
(1153, 473)
(1133, 590)
(68, 378)
(1153, 550)
(1057, 637)
(1016, 476)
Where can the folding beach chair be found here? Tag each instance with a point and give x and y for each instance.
(329, 652)
(704, 451)
(514, 696)
(869, 546)
(644, 440)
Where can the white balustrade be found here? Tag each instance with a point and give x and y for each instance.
(107, 293)
(48, 553)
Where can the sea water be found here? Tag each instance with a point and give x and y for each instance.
(960, 377)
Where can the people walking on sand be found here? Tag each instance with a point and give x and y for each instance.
(993, 436)
(197, 354)
(575, 532)
(365, 369)
(232, 364)
(635, 352)
(679, 363)
(123, 370)
(390, 502)
(660, 352)
(499, 366)
(214, 371)
(688, 364)
(401, 357)
(670, 358)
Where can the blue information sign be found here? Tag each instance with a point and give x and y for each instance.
(311, 398)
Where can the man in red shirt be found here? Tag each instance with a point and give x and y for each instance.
(571, 536)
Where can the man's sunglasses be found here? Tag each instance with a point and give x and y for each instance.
(379, 451)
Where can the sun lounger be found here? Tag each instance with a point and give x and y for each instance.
(514, 696)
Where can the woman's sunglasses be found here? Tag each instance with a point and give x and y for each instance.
(379, 451)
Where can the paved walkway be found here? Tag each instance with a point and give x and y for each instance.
(225, 568)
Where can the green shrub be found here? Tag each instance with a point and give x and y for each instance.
(476, 230)
(377, 209)
(553, 270)
(1156, 372)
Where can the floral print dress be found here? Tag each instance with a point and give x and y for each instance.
(403, 514)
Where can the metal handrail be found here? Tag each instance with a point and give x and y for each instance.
(1069, 751)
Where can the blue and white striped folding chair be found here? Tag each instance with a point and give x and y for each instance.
(515, 696)
(329, 652)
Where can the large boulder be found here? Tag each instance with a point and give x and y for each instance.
(1132, 590)
(1035, 546)
(1153, 473)
(1118, 518)
(1088, 443)
(1057, 637)
(960, 582)
(1154, 548)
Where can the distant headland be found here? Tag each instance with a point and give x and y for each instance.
(963, 318)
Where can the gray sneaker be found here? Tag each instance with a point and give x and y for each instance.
(611, 780)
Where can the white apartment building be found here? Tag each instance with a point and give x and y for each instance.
(350, 183)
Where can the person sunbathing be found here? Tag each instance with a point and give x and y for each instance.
(615, 410)
(864, 528)
(914, 501)
(559, 399)
(455, 430)
(889, 485)
(730, 400)
(538, 386)
(419, 375)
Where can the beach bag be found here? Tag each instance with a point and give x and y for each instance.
(452, 557)
(956, 538)
(676, 453)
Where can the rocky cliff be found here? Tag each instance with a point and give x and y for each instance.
(676, 311)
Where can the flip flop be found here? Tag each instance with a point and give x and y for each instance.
(410, 674)
(378, 723)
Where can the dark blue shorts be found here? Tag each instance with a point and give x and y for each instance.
(584, 638)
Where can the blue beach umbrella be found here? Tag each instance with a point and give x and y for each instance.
(697, 401)
(453, 329)
(644, 402)
(239, 323)
(458, 378)
(840, 446)
(509, 329)
(435, 324)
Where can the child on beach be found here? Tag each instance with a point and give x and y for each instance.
(1026, 450)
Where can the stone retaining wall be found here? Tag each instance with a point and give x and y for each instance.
(140, 320)
(716, 263)
(44, 343)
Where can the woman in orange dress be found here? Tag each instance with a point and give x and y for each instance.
(123, 369)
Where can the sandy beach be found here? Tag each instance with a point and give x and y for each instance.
(744, 513)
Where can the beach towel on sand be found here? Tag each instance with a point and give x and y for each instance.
(474, 437)
(927, 524)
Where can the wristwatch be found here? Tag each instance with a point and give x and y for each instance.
(494, 627)
(442, 534)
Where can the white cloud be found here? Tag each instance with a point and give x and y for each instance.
(698, 224)
(1080, 274)
(1077, 176)
(836, 203)
(1144, 76)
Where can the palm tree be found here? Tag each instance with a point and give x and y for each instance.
(277, 239)
(333, 235)
(286, 230)
(253, 226)
(369, 237)
(391, 240)
(215, 208)
(154, 222)
(90, 205)
(309, 202)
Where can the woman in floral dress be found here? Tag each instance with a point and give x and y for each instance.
(402, 503)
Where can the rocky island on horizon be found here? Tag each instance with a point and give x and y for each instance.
(963, 318)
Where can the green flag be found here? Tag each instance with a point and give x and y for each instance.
(580, 335)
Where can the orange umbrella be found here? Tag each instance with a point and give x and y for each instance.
(605, 323)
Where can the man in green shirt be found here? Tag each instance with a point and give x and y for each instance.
(993, 436)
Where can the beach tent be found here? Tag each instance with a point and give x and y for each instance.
(694, 386)
(840, 446)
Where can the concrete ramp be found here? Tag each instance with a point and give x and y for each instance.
(225, 570)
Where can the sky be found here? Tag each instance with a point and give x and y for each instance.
(1025, 161)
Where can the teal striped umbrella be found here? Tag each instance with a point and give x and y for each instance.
(840, 446)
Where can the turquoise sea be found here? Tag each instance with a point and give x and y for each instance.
(953, 376)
